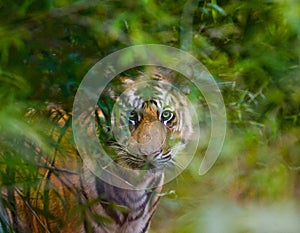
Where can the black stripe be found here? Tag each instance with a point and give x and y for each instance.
(108, 204)
(137, 198)
(150, 217)
(147, 225)
(154, 205)
(138, 214)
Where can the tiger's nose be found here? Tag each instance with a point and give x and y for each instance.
(151, 140)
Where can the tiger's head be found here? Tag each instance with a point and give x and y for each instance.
(151, 122)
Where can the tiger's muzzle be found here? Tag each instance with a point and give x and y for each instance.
(149, 140)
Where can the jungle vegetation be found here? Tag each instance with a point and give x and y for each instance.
(252, 49)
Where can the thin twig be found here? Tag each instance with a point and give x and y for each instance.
(32, 210)
(53, 168)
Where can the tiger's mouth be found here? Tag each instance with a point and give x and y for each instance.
(159, 159)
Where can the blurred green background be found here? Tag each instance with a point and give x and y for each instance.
(252, 48)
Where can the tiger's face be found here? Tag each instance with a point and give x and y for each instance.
(151, 125)
(149, 128)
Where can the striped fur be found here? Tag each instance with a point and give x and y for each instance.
(130, 210)
(69, 198)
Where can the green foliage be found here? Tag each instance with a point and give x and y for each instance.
(252, 49)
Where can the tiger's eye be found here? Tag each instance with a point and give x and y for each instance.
(132, 114)
(133, 117)
(166, 116)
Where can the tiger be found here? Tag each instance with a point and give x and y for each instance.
(143, 129)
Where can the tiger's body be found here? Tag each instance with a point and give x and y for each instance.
(68, 197)
(130, 210)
